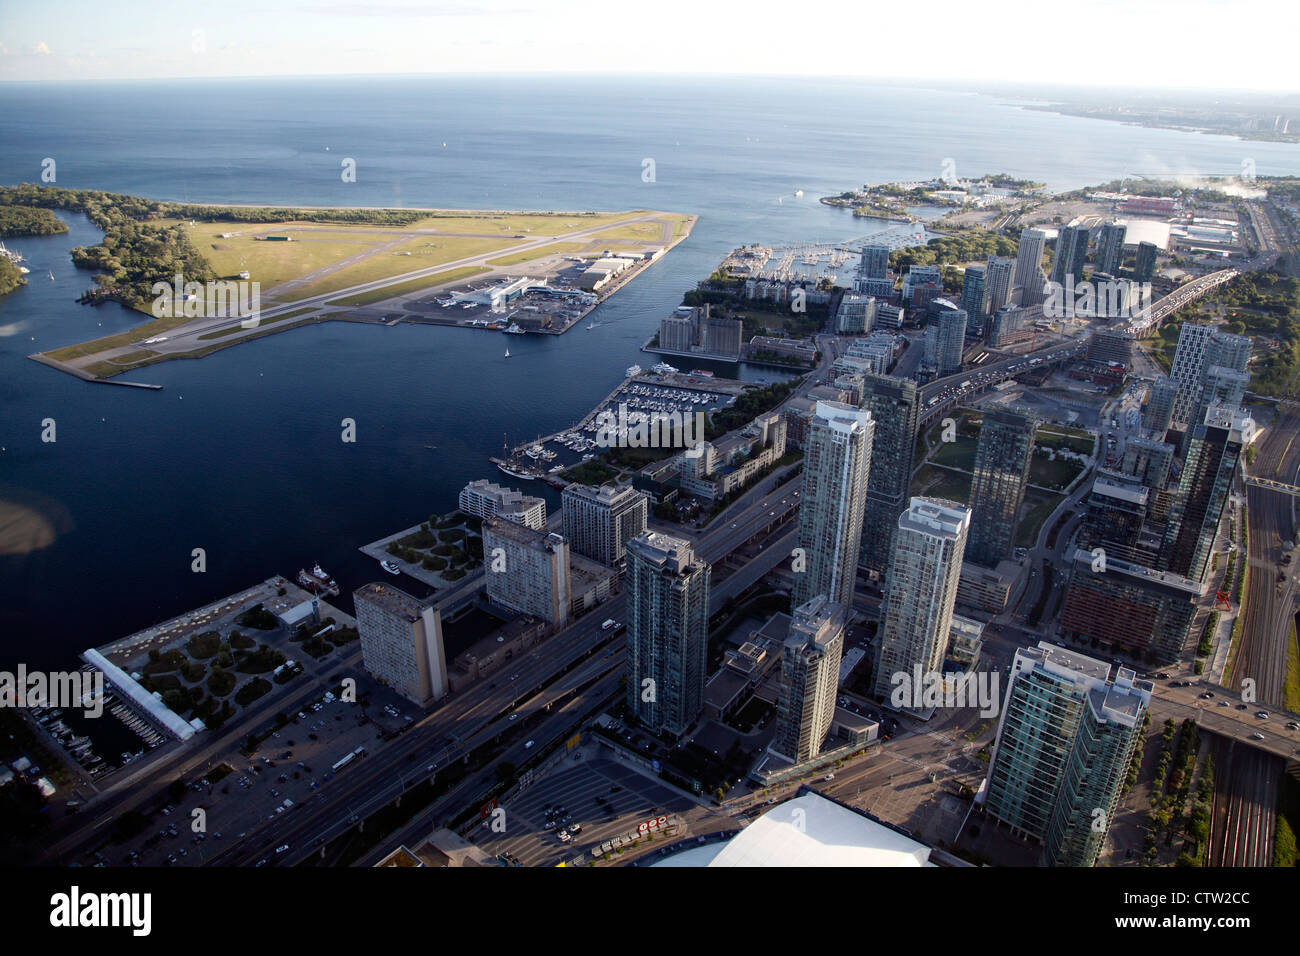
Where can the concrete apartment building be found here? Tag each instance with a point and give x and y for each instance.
(856, 314)
(1130, 607)
(1149, 461)
(401, 642)
(527, 571)
(714, 470)
(599, 522)
(483, 499)
(697, 330)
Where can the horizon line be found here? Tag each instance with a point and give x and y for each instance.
(974, 85)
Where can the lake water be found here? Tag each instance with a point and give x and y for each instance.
(241, 455)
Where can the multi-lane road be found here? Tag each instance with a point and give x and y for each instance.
(581, 653)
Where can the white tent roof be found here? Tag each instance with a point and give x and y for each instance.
(811, 830)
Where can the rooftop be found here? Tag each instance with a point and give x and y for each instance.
(390, 599)
(813, 830)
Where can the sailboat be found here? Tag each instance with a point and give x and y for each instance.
(51, 275)
(507, 351)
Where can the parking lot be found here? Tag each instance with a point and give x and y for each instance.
(286, 770)
(601, 795)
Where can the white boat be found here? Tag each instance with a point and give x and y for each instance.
(633, 371)
(513, 473)
(390, 567)
(513, 329)
(317, 581)
(663, 368)
(507, 351)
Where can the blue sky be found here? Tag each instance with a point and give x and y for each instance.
(1196, 43)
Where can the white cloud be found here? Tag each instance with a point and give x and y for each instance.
(40, 48)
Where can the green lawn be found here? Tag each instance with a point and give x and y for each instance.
(1036, 509)
(414, 285)
(958, 453)
(424, 252)
(1053, 474)
(552, 249)
(1069, 440)
(932, 482)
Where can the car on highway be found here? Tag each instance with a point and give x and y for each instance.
(1256, 736)
(1261, 715)
(528, 745)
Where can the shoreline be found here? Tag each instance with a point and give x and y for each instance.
(329, 307)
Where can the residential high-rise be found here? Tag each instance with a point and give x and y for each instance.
(1201, 348)
(923, 576)
(1113, 520)
(1149, 460)
(837, 458)
(1002, 459)
(1228, 350)
(1157, 414)
(1071, 253)
(875, 262)
(527, 571)
(1110, 252)
(599, 522)
(1213, 455)
(1219, 386)
(1004, 325)
(1123, 605)
(1065, 738)
(973, 297)
(401, 642)
(950, 335)
(895, 407)
(918, 277)
(1187, 368)
(856, 314)
(1145, 270)
(1029, 276)
(810, 667)
(667, 632)
(1108, 732)
(998, 283)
